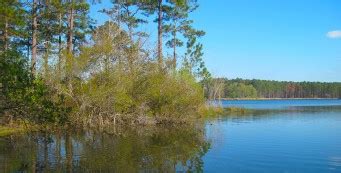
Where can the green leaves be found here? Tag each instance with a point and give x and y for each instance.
(11, 24)
(106, 72)
(24, 96)
(240, 90)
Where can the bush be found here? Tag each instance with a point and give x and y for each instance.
(23, 96)
(146, 96)
(174, 95)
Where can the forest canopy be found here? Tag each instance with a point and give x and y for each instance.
(245, 88)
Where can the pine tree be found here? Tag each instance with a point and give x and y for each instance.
(127, 14)
(11, 23)
(194, 51)
(178, 24)
(34, 36)
(161, 8)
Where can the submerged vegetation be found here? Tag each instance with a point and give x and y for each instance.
(59, 68)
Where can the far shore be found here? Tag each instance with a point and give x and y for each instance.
(279, 99)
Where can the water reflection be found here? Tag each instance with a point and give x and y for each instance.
(293, 111)
(143, 150)
(299, 139)
(291, 139)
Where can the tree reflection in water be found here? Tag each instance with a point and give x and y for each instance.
(158, 149)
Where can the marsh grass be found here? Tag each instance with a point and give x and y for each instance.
(6, 130)
(238, 111)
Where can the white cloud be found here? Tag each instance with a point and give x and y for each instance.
(334, 34)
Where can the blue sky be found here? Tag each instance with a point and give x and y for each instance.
(268, 39)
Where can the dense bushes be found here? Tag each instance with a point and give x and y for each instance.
(176, 94)
(102, 74)
(24, 97)
(147, 96)
(93, 96)
(114, 80)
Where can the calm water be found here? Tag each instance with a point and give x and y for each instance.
(279, 104)
(297, 136)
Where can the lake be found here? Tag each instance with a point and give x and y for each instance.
(280, 104)
(284, 136)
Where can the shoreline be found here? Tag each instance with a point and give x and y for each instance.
(6, 130)
(279, 99)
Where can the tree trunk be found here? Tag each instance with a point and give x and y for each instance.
(69, 45)
(6, 34)
(34, 38)
(130, 28)
(60, 43)
(46, 60)
(70, 29)
(174, 50)
(159, 44)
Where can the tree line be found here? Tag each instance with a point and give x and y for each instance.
(58, 65)
(244, 88)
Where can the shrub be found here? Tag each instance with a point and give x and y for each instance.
(23, 96)
(146, 95)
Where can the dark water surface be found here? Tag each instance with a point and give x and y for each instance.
(297, 136)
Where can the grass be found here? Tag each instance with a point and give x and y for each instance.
(216, 111)
(16, 127)
(7, 130)
(236, 110)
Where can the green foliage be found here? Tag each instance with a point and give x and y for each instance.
(99, 75)
(110, 82)
(11, 24)
(193, 60)
(173, 94)
(115, 96)
(280, 89)
(22, 96)
(5, 131)
(13, 77)
(179, 23)
(240, 90)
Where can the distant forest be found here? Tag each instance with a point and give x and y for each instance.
(244, 88)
